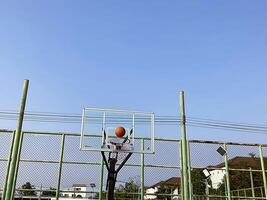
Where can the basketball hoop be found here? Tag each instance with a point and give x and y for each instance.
(116, 132)
(119, 147)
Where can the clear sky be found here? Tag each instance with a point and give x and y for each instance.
(136, 55)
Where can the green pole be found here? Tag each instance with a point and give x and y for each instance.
(263, 171)
(227, 174)
(17, 166)
(15, 149)
(8, 164)
(142, 170)
(189, 171)
(181, 170)
(184, 148)
(101, 182)
(60, 165)
(252, 182)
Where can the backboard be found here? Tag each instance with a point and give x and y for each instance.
(98, 131)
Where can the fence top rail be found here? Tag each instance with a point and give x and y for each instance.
(79, 134)
(228, 143)
(156, 138)
(6, 131)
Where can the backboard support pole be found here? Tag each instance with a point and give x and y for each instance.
(112, 171)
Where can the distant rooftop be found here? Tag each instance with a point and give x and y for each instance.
(173, 181)
(79, 185)
(238, 161)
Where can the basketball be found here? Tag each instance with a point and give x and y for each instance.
(120, 131)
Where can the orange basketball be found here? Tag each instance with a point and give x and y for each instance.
(120, 131)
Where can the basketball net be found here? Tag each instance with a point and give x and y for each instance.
(118, 149)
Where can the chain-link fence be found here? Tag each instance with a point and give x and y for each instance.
(221, 170)
(51, 166)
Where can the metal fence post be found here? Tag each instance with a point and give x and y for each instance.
(189, 171)
(263, 170)
(184, 148)
(60, 165)
(8, 164)
(18, 162)
(251, 182)
(227, 173)
(101, 182)
(142, 170)
(181, 169)
(17, 139)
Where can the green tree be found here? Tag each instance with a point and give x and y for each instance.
(27, 189)
(241, 179)
(126, 191)
(198, 181)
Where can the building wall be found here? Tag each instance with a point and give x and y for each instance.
(217, 177)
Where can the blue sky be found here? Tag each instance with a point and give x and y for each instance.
(137, 55)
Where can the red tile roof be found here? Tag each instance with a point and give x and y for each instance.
(173, 181)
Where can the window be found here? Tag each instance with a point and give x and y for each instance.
(77, 189)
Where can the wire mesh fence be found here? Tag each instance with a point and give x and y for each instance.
(234, 170)
(51, 166)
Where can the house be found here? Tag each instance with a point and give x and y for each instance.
(77, 191)
(171, 185)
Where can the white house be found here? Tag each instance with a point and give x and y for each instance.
(77, 192)
(151, 193)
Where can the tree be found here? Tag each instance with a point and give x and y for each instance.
(241, 179)
(127, 190)
(27, 190)
(198, 181)
(252, 155)
(49, 193)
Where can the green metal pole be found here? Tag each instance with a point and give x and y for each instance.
(142, 170)
(60, 165)
(184, 148)
(101, 182)
(252, 183)
(207, 191)
(15, 149)
(181, 170)
(189, 172)
(227, 174)
(17, 166)
(263, 171)
(8, 164)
